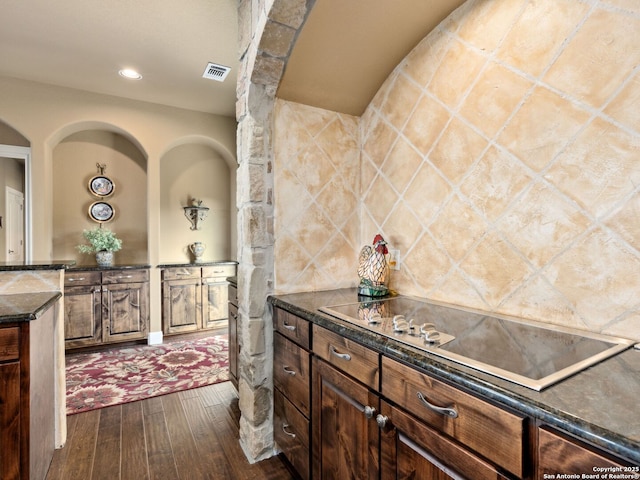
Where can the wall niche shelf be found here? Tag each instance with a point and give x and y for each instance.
(196, 214)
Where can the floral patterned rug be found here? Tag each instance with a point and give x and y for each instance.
(126, 374)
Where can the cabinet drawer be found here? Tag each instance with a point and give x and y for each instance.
(352, 358)
(9, 344)
(292, 327)
(180, 273)
(125, 276)
(292, 372)
(219, 271)
(493, 432)
(72, 278)
(291, 433)
(557, 453)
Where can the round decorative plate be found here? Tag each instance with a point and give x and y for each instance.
(101, 212)
(101, 186)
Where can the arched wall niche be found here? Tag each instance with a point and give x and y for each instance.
(197, 167)
(77, 150)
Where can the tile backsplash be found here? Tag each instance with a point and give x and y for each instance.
(501, 157)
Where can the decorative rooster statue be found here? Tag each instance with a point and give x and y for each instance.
(373, 269)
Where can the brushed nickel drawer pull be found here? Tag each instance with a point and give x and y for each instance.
(382, 421)
(284, 429)
(124, 276)
(287, 326)
(75, 279)
(289, 371)
(342, 356)
(450, 412)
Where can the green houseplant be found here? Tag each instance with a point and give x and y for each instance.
(103, 242)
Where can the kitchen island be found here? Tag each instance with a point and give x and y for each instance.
(31, 305)
(28, 383)
(597, 407)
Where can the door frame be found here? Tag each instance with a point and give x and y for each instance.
(24, 154)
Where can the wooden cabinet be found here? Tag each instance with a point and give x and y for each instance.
(375, 418)
(558, 453)
(105, 306)
(292, 392)
(345, 440)
(194, 298)
(234, 345)
(27, 397)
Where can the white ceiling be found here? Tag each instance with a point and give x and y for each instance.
(342, 56)
(83, 43)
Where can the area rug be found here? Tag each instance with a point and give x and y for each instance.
(126, 374)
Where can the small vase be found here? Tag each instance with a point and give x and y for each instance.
(197, 249)
(104, 258)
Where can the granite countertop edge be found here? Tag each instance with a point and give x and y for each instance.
(26, 307)
(197, 264)
(513, 396)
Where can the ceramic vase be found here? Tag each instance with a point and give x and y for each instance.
(104, 258)
(197, 249)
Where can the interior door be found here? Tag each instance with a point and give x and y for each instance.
(15, 225)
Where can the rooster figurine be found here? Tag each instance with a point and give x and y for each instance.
(373, 269)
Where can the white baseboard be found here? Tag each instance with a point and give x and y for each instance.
(155, 338)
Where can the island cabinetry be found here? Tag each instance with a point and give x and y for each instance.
(476, 429)
(234, 345)
(105, 306)
(292, 392)
(558, 453)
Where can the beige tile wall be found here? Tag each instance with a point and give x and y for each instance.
(501, 157)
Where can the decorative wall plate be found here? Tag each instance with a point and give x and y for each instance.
(101, 186)
(101, 212)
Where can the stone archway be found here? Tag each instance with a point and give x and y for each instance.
(268, 30)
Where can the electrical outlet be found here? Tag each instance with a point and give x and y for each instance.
(394, 259)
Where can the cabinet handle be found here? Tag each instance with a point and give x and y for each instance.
(287, 326)
(450, 412)
(369, 412)
(183, 272)
(289, 371)
(382, 421)
(124, 276)
(341, 356)
(284, 429)
(75, 279)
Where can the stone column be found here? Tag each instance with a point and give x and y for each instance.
(267, 31)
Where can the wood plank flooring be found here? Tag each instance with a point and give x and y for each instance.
(190, 435)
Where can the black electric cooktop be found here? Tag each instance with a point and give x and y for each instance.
(531, 354)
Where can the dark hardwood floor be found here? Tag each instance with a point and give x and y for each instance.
(188, 435)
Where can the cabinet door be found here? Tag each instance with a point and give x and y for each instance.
(125, 311)
(82, 315)
(345, 433)
(181, 305)
(215, 307)
(234, 347)
(412, 450)
(10, 420)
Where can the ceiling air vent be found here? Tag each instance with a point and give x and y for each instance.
(216, 72)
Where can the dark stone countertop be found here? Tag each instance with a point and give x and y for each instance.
(35, 265)
(599, 405)
(198, 264)
(25, 307)
(96, 268)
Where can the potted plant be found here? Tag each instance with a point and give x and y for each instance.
(103, 242)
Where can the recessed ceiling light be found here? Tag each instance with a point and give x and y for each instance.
(128, 73)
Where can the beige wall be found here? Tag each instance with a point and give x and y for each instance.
(500, 157)
(46, 115)
(188, 172)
